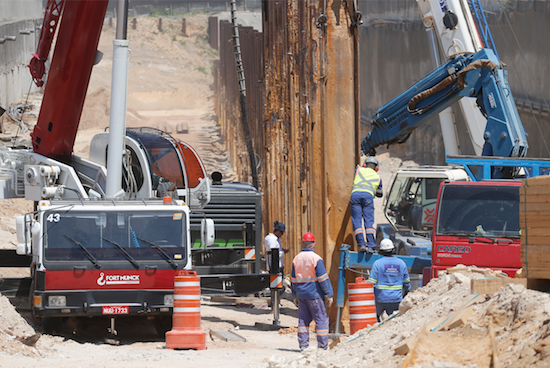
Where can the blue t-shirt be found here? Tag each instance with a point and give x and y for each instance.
(389, 276)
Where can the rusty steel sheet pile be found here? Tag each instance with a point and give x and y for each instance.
(302, 90)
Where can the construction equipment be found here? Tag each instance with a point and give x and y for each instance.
(477, 223)
(149, 167)
(456, 24)
(475, 77)
(108, 234)
(414, 190)
(231, 265)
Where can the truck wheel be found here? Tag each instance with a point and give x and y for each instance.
(163, 325)
(51, 324)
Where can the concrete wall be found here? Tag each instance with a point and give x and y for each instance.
(176, 7)
(395, 53)
(15, 78)
(14, 10)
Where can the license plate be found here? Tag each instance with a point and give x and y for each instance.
(116, 309)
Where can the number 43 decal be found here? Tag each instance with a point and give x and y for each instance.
(53, 217)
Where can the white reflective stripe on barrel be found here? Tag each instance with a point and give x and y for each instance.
(361, 303)
(362, 316)
(186, 297)
(187, 283)
(361, 291)
(186, 310)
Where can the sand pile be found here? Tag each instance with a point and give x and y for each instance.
(519, 317)
(17, 337)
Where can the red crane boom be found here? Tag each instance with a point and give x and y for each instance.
(69, 75)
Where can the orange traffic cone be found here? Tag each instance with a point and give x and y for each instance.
(186, 332)
(362, 310)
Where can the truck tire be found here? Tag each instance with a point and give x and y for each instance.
(51, 324)
(163, 325)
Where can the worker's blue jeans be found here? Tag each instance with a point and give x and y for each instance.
(389, 308)
(308, 310)
(362, 209)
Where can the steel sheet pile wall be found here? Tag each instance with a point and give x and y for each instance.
(304, 118)
(213, 32)
(311, 122)
(227, 100)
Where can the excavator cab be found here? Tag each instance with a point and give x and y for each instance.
(196, 175)
(157, 165)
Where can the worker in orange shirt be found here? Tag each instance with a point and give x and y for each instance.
(311, 289)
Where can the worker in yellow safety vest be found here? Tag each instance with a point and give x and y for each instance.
(366, 185)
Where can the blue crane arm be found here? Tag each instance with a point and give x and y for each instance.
(476, 75)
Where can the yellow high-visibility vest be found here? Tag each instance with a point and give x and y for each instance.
(366, 180)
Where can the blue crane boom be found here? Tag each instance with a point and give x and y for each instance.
(477, 75)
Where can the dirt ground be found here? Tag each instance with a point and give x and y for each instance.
(81, 343)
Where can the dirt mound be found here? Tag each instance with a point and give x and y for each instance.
(97, 107)
(17, 337)
(520, 318)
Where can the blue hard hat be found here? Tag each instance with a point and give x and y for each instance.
(279, 226)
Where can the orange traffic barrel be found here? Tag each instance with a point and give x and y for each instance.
(362, 310)
(186, 330)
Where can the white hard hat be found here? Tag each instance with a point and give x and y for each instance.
(386, 244)
(371, 160)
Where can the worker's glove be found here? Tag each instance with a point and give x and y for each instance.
(328, 301)
(405, 292)
(295, 301)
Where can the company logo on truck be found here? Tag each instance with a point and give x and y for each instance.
(117, 279)
(452, 251)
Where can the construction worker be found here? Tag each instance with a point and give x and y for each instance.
(272, 242)
(310, 285)
(366, 185)
(390, 278)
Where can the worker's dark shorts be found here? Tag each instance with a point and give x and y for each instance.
(388, 307)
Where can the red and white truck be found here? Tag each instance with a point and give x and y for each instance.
(476, 223)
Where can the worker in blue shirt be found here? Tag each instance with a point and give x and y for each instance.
(311, 289)
(390, 278)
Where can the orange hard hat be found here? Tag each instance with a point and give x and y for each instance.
(308, 237)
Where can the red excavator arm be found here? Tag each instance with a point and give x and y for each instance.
(74, 56)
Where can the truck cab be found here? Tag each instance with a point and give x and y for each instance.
(410, 204)
(105, 258)
(477, 223)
